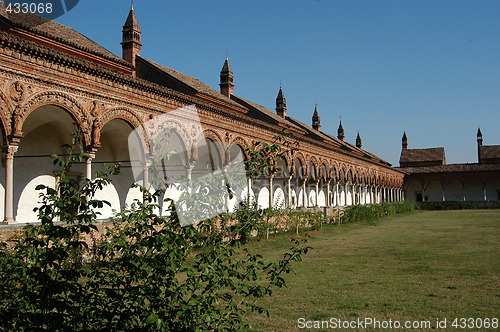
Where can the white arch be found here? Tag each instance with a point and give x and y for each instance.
(109, 194)
(279, 199)
(30, 198)
(321, 198)
(263, 198)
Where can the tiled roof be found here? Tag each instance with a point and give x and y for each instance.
(191, 82)
(422, 155)
(342, 145)
(262, 113)
(452, 168)
(57, 32)
(489, 151)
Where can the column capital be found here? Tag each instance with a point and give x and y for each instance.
(10, 150)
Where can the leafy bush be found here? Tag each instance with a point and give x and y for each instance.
(459, 205)
(143, 272)
(371, 213)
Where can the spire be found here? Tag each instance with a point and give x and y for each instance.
(340, 132)
(226, 80)
(479, 144)
(131, 19)
(281, 104)
(358, 141)
(404, 141)
(316, 121)
(131, 37)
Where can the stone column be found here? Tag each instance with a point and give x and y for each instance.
(145, 179)
(9, 152)
(346, 193)
(304, 193)
(249, 190)
(317, 193)
(88, 166)
(271, 191)
(328, 203)
(189, 175)
(337, 194)
(289, 191)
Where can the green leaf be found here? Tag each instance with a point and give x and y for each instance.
(151, 319)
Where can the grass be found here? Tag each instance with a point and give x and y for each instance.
(422, 266)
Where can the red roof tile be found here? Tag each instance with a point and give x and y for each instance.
(489, 152)
(422, 155)
(57, 32)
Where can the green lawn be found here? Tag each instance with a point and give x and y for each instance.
(422, 266)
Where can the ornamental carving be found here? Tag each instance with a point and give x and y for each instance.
(96, 133)
(17, 91)
(94, 108)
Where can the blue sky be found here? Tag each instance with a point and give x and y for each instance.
(427, 67)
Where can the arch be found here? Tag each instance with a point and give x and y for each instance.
(323, 172)
(454, 190)
(209, 158)
(299, 165)
(110, 194)
(321, 198)
(263, 198)
(313, 170)
(279, 198)
(29, 198)
(126, 115)
(216, 138)
(242, 143)
(154, 127)
(342, 176)
(57, 98)
(311, 197)
(474, 190)
(313, 167)
(433, 191)
(282, 167)
(492, 188)
(414, 191)
(213, 135)
(46, 130)
(349, 175)
(335, 172)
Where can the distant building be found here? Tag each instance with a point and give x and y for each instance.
(429, 178)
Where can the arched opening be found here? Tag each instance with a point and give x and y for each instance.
(115, 149)
(493, 190)
(298, 194)
(433, 191)
(474, 191)
(209, 158)
(280, 184)
(45, 131)
(454, 191)
(414, 192)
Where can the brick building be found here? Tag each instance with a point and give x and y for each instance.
(52, 79)
(429, 178)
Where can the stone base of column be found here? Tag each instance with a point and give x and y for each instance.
(8, 222)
